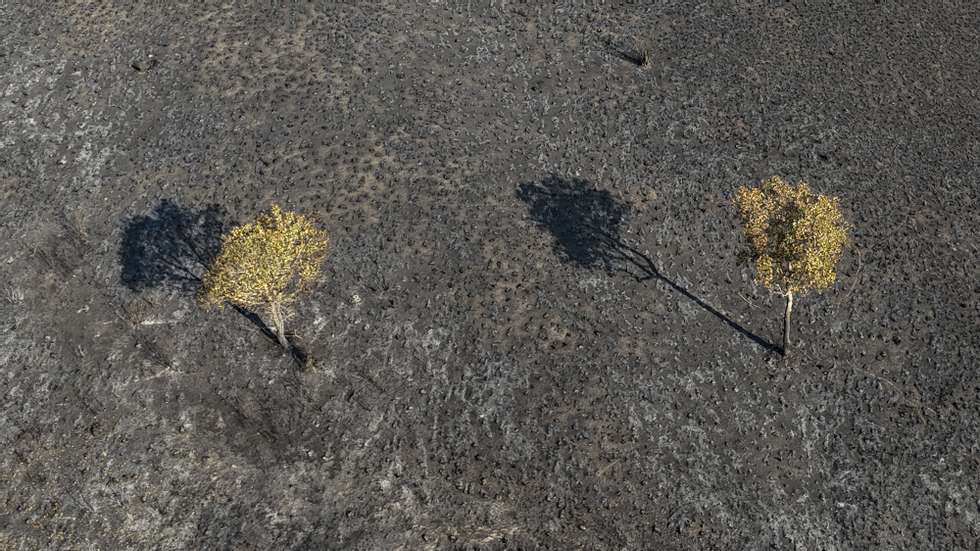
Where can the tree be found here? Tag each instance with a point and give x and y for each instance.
(266, 264)
(795, 238)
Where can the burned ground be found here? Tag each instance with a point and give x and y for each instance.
(532, 331)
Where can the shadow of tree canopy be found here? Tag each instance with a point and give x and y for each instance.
(170, 247)
(586, 224)
(584, 221)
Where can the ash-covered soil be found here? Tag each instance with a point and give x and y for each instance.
(532, 331)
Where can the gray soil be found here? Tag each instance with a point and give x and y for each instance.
(532, 331)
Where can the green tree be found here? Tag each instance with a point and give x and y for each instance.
(266, 264)
(795, 238)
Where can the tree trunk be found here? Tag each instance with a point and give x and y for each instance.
(275, 311)
(789, 313)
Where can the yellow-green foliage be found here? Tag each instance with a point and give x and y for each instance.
(267, 262)
(796, 237)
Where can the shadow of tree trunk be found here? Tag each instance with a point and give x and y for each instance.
(586, 223)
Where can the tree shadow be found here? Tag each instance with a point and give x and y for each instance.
(586, 223)
(583, 220)
(172, 246)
